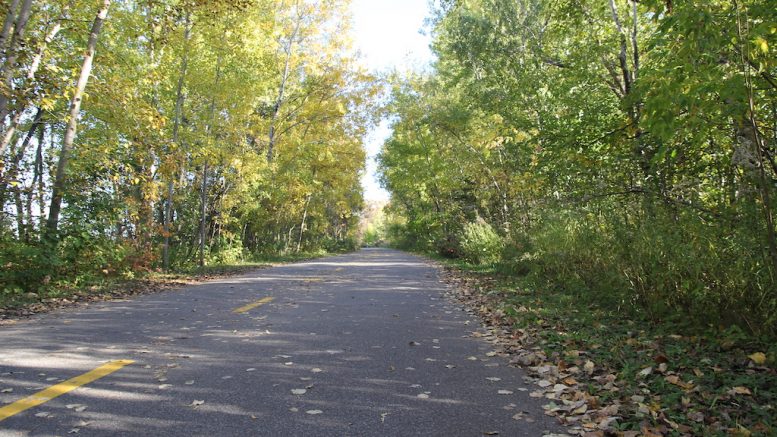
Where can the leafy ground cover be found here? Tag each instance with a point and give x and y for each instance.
(605, 372)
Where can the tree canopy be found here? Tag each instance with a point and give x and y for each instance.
(170, 132)
(617, 149)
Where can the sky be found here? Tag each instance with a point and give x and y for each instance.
(388, 35)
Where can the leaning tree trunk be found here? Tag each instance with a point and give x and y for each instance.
(10, 17)
(17, 156)
(52, 223)
(8, 66)
(27, 90)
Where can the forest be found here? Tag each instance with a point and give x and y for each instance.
(160, 134)
(622, 152)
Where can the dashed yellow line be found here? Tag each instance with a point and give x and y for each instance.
(253, 305)
(54, 391)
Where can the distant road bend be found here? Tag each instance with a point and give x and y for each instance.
(363, 344)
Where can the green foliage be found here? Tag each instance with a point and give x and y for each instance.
(227, 252)
(24, 268)
(480, 244)
(372, 237)
(245, 118)
(626, 154)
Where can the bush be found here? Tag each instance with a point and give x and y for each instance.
(227, 252)
(663, 266)
(23, 267)
(480, 244)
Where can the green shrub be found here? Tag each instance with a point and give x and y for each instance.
(227, 252)
(23, 267)
(664, 266)
(480, 244)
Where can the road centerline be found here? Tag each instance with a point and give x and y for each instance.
(64, 387)
(252, 305)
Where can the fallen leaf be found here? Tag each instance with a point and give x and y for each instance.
(298, 391)
(493, 379)
(696, 416)
(758, 358)
(645, 372)
(423, 396)
(316, 370)
(581, 409)
(739, 390)
(196, 403)
(314, 412)
(589, 367)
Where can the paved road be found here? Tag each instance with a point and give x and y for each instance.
(368, 336)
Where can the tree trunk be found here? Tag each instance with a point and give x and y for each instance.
(203, 210)
(13, 173)
(9, 63)
(289, 49)
(10, 17)
(30, 79)
(302, 225)
(52, 223)
(168, 219)
(17, 156)
(37, 178)
(204, 192)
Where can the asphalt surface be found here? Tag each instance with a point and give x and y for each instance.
(368, 336)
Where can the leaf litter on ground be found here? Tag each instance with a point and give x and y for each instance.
(605, 375)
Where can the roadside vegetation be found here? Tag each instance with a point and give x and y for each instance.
(140, 137)
(608, 170)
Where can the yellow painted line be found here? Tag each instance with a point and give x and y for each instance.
(54, 391)
(253, 305)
